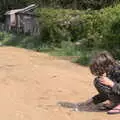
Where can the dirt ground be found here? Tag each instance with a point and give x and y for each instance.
(31, 84)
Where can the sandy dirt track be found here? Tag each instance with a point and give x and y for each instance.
(31, 84)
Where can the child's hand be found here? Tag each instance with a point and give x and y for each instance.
(106, 81)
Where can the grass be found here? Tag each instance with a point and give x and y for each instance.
(67, 50)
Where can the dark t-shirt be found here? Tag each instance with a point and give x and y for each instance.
(113, 75)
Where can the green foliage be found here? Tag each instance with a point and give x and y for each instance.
(23, 41)
(90, 29)
(59, 25)
(84, 58)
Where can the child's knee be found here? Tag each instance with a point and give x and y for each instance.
(103, 89)
(96, 82)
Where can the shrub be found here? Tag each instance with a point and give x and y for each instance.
(92, 29)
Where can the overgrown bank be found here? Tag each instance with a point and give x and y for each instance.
(73, 33)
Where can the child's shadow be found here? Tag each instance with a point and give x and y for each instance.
(80, 107)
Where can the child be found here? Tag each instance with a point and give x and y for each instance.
(107, 84)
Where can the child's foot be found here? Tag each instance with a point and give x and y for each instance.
(115, 110)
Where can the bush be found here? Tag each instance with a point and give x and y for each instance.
(92, 29)
(24, 41)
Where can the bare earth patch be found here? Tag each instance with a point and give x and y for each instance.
(31, 84)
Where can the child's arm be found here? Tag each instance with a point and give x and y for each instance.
(106, 81)
(114, 85)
